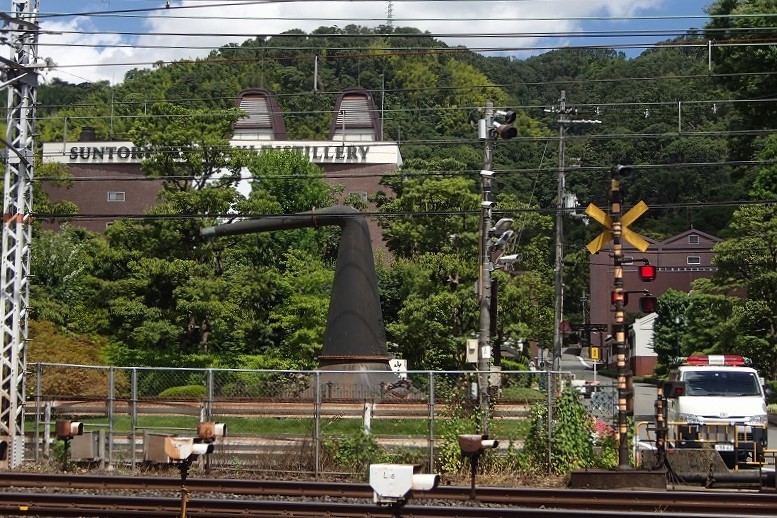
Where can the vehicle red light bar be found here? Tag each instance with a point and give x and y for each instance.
(728, 360)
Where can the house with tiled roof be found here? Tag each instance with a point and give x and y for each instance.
(679, 260)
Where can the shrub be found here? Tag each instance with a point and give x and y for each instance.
(354, 453)
(572, 440)
(187, 391)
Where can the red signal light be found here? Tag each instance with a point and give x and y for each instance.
(647, 304)
(647, 272)
(614, 297)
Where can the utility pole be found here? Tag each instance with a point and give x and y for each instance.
(558, 307)
(488, 130)
(484, 286)
(20, 78)
(564, 120)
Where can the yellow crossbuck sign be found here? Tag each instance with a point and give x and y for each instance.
(629, 235)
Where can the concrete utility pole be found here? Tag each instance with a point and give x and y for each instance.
(558, 307)
(564, 120)
(484, 284)
(488, 131)
(20, 78)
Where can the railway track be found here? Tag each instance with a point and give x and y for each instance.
(121, 506)
(254, 497)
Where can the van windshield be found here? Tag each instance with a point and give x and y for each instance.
(721, 383)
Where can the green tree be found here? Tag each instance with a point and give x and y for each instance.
(741, 24)
(300, 321)
(749, 261)
(61, 263)
(421, 203)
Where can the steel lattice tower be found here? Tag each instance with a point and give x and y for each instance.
(21, 79)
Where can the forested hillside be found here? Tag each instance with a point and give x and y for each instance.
(158, 294)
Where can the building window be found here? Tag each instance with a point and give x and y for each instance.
(693, 239)
(694, 259)
(115, 196)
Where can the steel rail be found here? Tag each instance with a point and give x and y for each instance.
(74, 505)
(702, 501)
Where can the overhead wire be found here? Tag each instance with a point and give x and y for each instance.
(422, 213)
(500, 173)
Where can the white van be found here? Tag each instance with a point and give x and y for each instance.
(717, 401)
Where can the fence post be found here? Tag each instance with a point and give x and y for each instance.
(111, 396)
(134, 412)
(47, 431)
(549, 389)
(431, 422)
(209, 402)
(317, 419)
(101, 447)
(38, 399)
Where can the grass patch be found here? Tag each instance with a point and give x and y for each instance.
(185, 425)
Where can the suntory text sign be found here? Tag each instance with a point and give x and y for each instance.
(325, 152)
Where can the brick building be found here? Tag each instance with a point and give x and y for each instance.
(111, 184)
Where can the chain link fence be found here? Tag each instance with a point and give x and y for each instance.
(290, 421)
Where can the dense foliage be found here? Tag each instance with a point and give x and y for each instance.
(160, 294)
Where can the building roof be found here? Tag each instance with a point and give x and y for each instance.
(264, 120)
(356, 117)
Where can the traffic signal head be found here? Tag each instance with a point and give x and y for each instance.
(647, 304)
(69, 429)
(507, 116)
(613, 298)
(622, 171)
(475, 444)
(505, 131)
(647, 272)
(504, 124)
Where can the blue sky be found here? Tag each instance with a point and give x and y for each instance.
(85, 45)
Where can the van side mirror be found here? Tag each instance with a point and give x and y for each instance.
(674, 389)
(769, 392)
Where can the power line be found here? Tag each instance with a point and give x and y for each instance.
(426, 52)
(464, 35)
(599, 136)
(406, 214)
(421, 174)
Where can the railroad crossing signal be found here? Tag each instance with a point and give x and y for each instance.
(606, 236)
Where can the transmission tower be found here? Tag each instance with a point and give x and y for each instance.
(389, 13)
(20, 78)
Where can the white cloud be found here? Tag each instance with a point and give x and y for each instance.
(215, 26)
